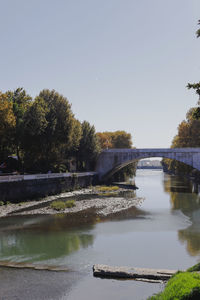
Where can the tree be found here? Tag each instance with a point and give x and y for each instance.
(196, 87)
(121, 139)
(105, 140)
(35, 125)
(118, 139)
(7, 126)
(51, 131)
(20, 102)
(76, 137)
(89, 147)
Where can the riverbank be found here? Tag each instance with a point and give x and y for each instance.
(85, 199)
(16, 188)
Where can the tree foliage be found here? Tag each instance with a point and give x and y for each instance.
(43, 132)
(188, 132)
(118, 139)
(20, 101)
(89, 147)
(45, 135)
(51, 132)
(7, 126)
(188, 136)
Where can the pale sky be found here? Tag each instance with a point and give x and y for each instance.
(123, 64)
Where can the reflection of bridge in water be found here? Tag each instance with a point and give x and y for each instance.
(112, 160)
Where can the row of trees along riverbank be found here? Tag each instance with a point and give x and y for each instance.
(188, 134)
(45, 135)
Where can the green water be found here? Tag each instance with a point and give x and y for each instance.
(164, 232)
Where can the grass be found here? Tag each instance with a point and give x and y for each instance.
(108, 188)
(61, 205)
(110, 194)
(107, 191)
(182, 286)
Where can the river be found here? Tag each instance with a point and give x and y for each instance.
(164, 232)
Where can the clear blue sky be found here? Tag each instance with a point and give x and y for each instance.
(123, 64)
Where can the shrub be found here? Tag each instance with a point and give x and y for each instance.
(194, 268)
(70, 203)
(182, 286)
(1, 203)
(107, 188)
(61, 205)
(111, 194)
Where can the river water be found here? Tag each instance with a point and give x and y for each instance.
(164, 232)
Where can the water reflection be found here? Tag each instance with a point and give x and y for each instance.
(53, 238)
(182, 198)
(26, 241)
(31, 247)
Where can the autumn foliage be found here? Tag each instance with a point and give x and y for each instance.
(45, 135)
(43, 132)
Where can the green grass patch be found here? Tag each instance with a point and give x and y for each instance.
(111, 194)
(182, 286)
(61, 205)
(108, 188)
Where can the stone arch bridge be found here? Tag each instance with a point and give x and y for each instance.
(112, 160)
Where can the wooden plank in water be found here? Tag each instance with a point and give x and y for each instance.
(133, 273)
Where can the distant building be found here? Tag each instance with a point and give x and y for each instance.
(148, 164)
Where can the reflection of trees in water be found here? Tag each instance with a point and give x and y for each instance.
(182, 198)
(191, 236)
(186, 202)
(43, 247)
(46, 242)
(48, 223)
(176, 184)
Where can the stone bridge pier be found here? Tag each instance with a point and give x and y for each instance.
(112, 160)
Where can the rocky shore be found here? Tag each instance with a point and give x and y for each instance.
(84, 199)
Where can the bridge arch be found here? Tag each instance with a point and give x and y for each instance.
(112, 160)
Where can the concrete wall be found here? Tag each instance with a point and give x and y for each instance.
(21, 190)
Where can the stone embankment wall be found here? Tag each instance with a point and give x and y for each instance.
(24, 187)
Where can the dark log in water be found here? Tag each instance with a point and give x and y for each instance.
(21, 265)
(132, 273)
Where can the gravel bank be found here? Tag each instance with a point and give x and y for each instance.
(104, 205)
